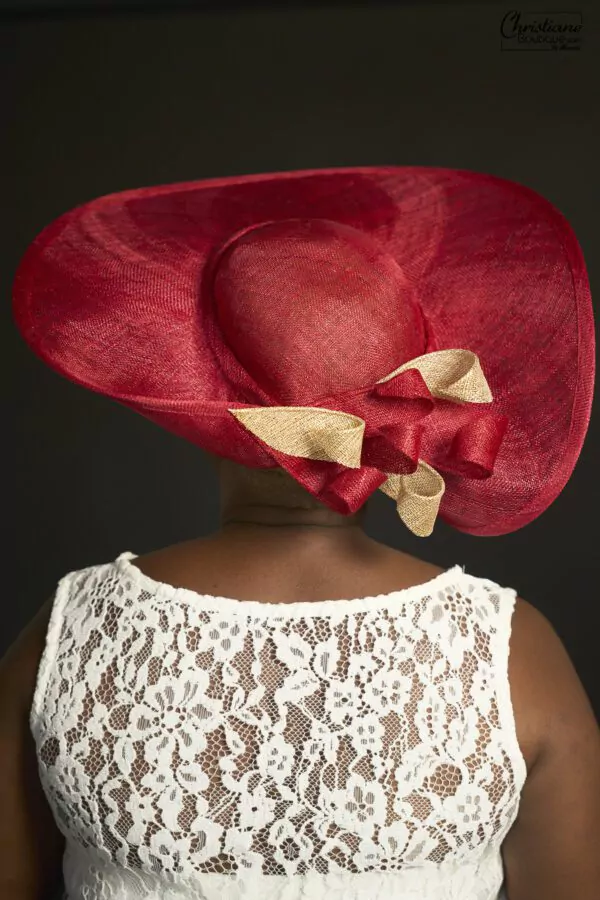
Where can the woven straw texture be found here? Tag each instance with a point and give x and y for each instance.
(192, 303)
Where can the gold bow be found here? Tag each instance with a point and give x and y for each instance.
(330, 435)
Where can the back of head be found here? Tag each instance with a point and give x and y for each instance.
(273, 486)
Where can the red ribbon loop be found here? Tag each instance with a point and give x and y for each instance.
(475, 446)
(406, 386)
(393, 448)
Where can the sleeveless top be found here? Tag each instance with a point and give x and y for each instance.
(194, 747)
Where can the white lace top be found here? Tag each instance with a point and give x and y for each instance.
(204, 748)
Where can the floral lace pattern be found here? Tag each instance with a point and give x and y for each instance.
(195, 746)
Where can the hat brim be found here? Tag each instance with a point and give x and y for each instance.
(498, 271)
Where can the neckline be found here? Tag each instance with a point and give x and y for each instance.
(164, 591)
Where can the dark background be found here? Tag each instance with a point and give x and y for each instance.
(129, 95)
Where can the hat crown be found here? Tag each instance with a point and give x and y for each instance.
(311, 307)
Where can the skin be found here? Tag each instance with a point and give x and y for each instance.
(551, 852)
(287, 546)
(255, 500)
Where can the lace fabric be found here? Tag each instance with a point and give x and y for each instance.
(193, 746)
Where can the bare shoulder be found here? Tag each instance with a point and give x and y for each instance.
(546, 692)
(31, 845)
(551, 850)
(20, 662)
(546, 689)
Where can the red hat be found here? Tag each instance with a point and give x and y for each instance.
(424, 331)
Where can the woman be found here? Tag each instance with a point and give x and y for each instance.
(287, 707)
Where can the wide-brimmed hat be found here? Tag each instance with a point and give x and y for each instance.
(424, 331)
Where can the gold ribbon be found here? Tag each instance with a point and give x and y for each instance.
(334, 436)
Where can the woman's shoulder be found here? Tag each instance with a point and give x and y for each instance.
(545, 686)
(19, 664)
